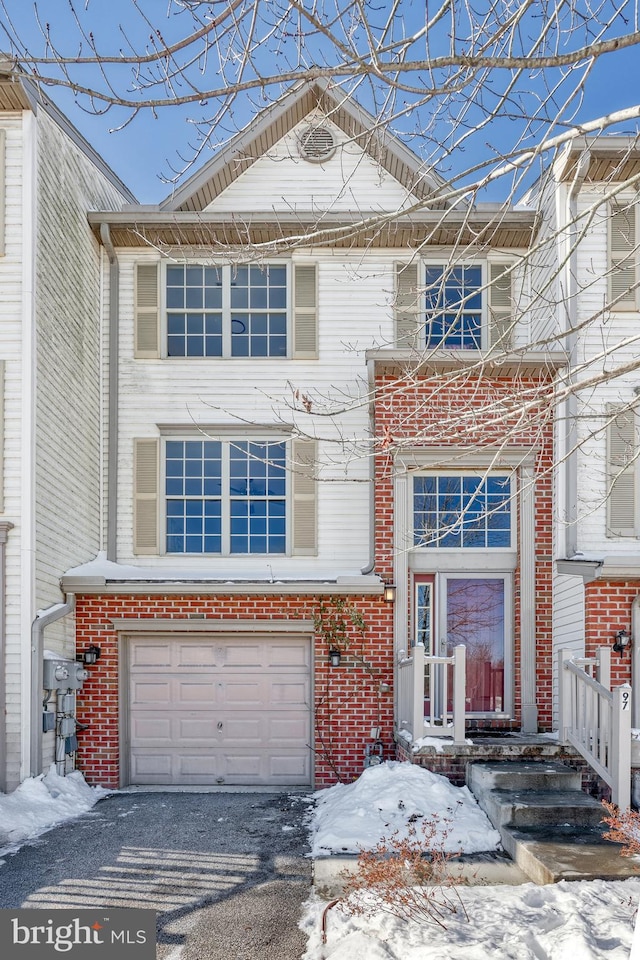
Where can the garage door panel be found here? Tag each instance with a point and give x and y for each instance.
(153, 692)
(151, 655)
(245, 694)
(220, 710)
(190, 692)
(198, 765)
(155, 728)
(289, 693)
(245, 655)
(196, 728)
(191, 655)
(292, 730)
(287, 657)
(290, 768)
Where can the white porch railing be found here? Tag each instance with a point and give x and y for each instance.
(597, 720)
(427, 699)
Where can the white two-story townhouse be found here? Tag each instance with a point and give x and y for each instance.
(51, 288)
(316, 461)
(597, 582)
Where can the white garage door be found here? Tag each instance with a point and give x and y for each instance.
(216, 710)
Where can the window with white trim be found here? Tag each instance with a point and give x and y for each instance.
(237, 311)
(225, 497)
(251, 310)
(463, 306)
(463, 511)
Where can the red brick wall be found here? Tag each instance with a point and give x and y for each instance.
(348, 699)
(468, 411)
(607, 610)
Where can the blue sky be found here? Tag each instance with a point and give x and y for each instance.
(150, 148)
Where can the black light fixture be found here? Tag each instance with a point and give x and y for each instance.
(91, 654)
(389, 592)
(621, 641)
(335, 657)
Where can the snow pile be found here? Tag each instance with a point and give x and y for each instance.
(394, 797)
(41, 803)
(588, 920)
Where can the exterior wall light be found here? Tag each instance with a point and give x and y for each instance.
(389, 593)
(621, 641)
(334, 657)
(91, 654)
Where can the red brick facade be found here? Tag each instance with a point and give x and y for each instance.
(607, 610)
(348, 699)
(351, 699)
(471, 412)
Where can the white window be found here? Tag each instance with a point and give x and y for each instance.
(209, 311)
(224, 497)
(462, 511)
(462, 306)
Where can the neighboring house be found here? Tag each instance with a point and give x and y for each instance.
(51, 278)
(278, 458)
(597, 582)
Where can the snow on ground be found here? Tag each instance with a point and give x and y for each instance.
(41, 803)
(394, 797)
(590, 920)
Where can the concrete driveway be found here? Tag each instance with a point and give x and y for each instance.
(226, 872)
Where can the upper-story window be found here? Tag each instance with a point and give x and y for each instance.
(453, 307)
(236, 311)
(462, 511)
(462, 306)
(233, 310)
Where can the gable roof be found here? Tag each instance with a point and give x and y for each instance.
(279, 119)
(19, 91)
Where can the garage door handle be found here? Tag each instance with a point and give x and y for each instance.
(220, 725)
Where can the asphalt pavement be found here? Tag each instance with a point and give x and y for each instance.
(227, 873)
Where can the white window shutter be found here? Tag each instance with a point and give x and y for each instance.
(304, 486)
(145, 498)
(147, 311)
(621, 474)
(408, 320)
(305, 311)
(622, 257)
(500, 306)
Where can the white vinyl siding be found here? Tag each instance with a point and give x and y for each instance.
(353, 309)
(281, 181)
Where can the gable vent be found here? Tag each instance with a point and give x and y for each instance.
(317, 144)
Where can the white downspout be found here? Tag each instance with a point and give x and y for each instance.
(28, 384)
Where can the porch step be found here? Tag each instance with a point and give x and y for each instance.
(551, 829)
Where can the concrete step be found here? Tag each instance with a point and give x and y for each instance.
(522, 775)
(550, 854)
(541, 807)
(551, 829)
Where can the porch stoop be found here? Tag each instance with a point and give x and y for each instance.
(551, 829)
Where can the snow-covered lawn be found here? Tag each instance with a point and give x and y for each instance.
(41, 803)
(591, 920)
